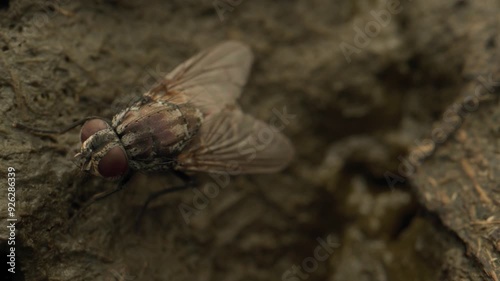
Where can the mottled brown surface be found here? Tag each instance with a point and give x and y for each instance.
(354, 121)
(460, 183)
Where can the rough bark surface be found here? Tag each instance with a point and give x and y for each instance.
(355, 117)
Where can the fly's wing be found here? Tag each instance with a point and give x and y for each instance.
(235, 143)
(210, 80)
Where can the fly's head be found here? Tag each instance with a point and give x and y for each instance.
(102, 153)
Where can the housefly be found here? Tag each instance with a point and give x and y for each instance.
(188, 122)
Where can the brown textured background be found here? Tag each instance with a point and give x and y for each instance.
(63, 60)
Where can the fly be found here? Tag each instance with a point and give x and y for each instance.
(188, 122)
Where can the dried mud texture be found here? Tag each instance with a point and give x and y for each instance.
(460, 181)
(353, 122)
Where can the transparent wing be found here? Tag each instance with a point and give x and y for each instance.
(210, 80)
(233, 142)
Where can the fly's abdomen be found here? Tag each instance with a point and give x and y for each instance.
(154, 133)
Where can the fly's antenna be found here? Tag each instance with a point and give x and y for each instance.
(63, 130)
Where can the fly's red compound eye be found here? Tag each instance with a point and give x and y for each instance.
(91, 127)
(114, 163)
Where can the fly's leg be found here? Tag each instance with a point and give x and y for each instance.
(189, 182)
(37, 131)
(105, 194)
(100, 196)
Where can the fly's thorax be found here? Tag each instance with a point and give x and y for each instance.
(154, 132)
(102, 153)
